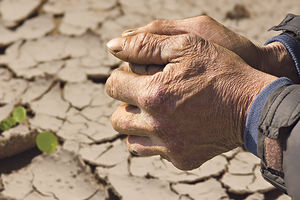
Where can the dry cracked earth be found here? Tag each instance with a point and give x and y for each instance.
(54, 62)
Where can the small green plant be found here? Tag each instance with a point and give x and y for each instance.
(7, 123)
(19, 115)
(46, 142)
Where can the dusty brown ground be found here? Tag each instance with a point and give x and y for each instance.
(53, 61)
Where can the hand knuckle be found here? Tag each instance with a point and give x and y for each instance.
(114, 121)
(157, 23)
(157, 99)
(204, 18)
(141, 42)
(187, 40)
(110, 84)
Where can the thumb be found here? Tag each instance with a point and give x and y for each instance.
(147, 48)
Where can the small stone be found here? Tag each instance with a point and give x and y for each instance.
(207, 190)
(36, 27)
(18, 10)
(51, 104)
(238, 12)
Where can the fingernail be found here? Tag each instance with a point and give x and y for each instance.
(134, 152)
(115, 45)
(128, 32)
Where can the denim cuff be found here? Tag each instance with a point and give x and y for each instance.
(292, 45)
(254, 114)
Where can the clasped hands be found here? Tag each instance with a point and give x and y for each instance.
(188, 86)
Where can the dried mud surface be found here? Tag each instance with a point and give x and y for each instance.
(54, 62)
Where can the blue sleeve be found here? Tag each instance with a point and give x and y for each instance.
(253, 117)
(291, 45)
(252, 121)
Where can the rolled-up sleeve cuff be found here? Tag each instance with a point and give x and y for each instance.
(291, 45)
(253, 117)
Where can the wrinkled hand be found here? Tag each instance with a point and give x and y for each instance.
(192, 110)
(273, 59)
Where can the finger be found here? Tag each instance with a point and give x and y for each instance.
(130, 120)
(160, 27)
(145, 69)
(126, 86)
(173, 27)
(125, 67)
(147, 48)
(142, 140)
(141, 69)
(146, 146)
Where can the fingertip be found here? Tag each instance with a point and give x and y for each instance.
(115, 45)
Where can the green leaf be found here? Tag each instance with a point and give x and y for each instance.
(46, 142)
(19, 114)
(7, 123)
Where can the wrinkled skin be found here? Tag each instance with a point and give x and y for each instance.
(273, 59)
(192, 110)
